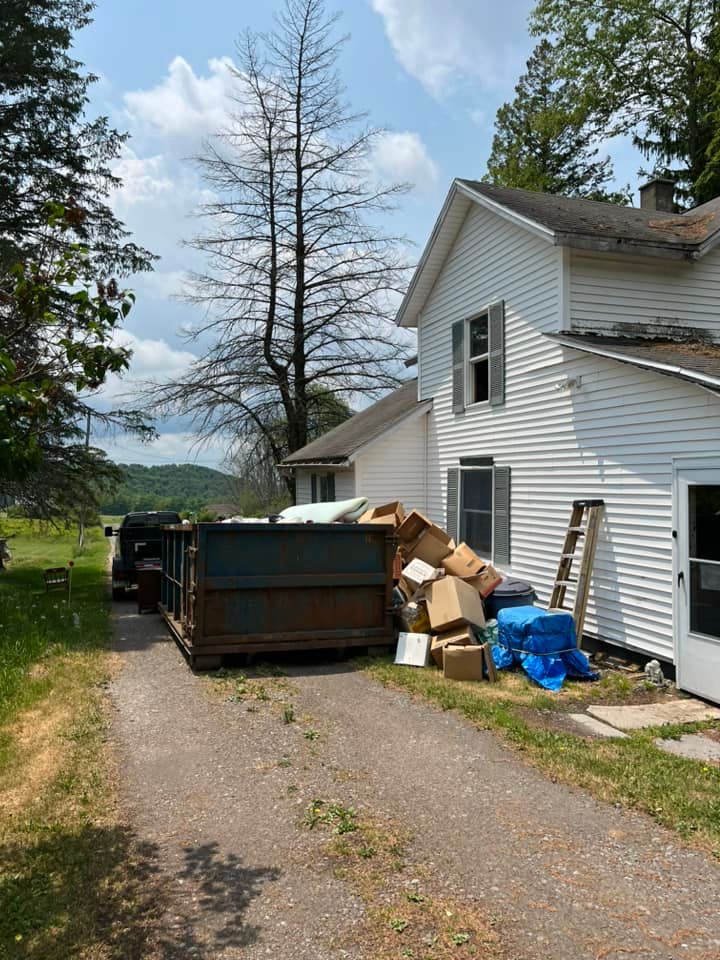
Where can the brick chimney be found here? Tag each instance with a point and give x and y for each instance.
(658, 194)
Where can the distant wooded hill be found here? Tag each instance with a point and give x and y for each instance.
(181, 486)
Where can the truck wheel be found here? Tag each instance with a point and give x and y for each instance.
(118, 593)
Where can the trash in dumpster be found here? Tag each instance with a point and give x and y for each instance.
(543, 643)
(344, 510)
(413, 649)
(393, 513)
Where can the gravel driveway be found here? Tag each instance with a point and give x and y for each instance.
(217, 792)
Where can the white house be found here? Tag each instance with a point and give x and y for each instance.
(570, 349)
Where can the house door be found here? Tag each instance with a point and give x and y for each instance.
(697, 578)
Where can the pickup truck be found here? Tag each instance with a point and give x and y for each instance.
(137, 539)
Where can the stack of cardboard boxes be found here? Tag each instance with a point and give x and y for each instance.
(449, 583)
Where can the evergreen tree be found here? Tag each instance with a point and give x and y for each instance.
(541, 139)
(61, 249)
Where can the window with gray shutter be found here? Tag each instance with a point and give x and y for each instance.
(497, 352)
(452, 501)
(501, 516)
(458, 366)
(313, 488)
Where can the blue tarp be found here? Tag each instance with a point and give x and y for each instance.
(543, 644)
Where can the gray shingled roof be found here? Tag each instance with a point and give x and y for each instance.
(697, 362)
(609, 226)
(341, 442)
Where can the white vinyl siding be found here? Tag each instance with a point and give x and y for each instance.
(613, 437)
(615, 294)
(344, 484)
(393, 468)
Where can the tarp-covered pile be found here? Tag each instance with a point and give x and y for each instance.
(543, 643)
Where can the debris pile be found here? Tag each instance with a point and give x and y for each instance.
(455, 610)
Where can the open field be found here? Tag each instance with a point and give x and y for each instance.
(65, 862)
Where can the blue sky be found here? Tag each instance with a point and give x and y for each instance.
(432, 74)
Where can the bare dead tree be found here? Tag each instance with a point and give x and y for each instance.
(301, 277)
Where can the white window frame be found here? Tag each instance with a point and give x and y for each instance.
(470, 362)
(491, 470)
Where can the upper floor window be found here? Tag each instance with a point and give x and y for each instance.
(478, 359)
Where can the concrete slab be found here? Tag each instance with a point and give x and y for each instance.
(655, 714)
(596, 727)
(694, 746)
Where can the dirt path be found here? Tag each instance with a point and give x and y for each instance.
(216, 792)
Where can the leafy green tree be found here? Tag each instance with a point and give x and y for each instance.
(648, 68)
(542, 141)
(61, 248)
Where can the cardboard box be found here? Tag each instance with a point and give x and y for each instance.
(418, 572)
(393, 513)
(485, 582)
(413, 649)
(468, 662)
(463, 562)
(412, 526)
(452, 603)
(460, 638)
(432, 546)
(463, 662)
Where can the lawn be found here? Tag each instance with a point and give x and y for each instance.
(681, 794)
(70, 880)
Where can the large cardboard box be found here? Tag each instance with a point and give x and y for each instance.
(393, 513)
(413, 649)
(461, 637)
(432, 546)
(412, 526)
(452, 603)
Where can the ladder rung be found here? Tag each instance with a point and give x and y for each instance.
(568, 556)
(564, 583)
(580, 531)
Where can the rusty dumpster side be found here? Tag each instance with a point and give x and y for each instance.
(256, 587)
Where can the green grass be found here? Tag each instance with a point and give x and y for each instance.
(681, 794)
(73, 883)
(35, 627)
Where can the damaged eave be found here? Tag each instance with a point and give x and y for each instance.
(638, 248)
(707, 382)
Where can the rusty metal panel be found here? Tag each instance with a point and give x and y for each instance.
(272, 586)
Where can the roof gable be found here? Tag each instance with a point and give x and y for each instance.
(342, 442)
(562, 221)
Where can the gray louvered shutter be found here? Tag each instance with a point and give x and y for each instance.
(453, 483)
(313, 488)
(331, 487)
(458, 366)
(496, 330)
(501, 515)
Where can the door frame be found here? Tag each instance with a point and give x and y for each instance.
(679, 465)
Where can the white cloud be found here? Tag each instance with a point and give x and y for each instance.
(168, 448)
(152, 360)
(465, 40)
(404, 157)
(144, 179)
(185, 103)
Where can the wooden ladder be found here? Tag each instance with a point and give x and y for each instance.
(584, 523)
